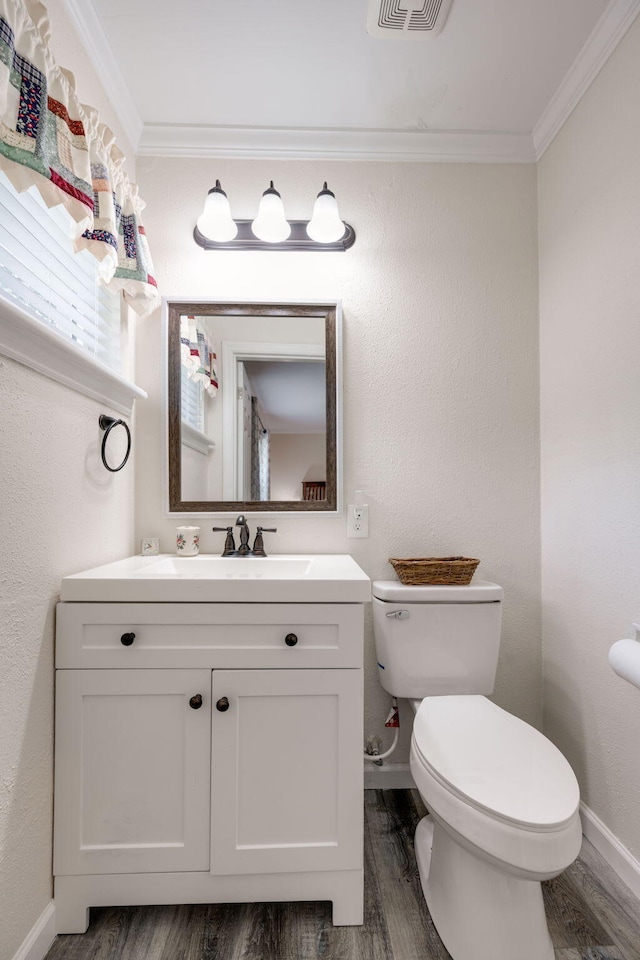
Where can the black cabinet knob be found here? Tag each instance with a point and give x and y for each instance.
(127, 639)
(196, 702)
(291, 639)
(222, 704)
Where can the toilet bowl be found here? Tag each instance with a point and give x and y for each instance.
(503, 815)
(502, 800)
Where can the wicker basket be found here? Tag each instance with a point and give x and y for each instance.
(444, 570)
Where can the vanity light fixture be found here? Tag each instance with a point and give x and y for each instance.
(271, 224)
(215, 221)
(325, 225)
(216, 229)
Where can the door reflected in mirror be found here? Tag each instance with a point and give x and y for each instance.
(252, 407)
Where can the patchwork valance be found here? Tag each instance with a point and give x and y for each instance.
(196, 355)
(48, 138)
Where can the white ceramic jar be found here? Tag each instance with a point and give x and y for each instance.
(187, 541)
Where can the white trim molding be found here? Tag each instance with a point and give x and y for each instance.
(621, 860)
(390, 776)
(89, 27)
(195, 439)
(419, 146)
(605, 37)
(31, 343)
(37, 942)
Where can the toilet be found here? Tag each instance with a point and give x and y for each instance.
(502, 799)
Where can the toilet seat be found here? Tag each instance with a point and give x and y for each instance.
(495, 762)
(522, 833)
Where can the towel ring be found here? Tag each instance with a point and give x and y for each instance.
(107, 424)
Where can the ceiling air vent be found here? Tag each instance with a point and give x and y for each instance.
(400, 19)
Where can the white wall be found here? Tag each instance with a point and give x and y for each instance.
(61, 512)
(195, 470)
(589, 188)
(290, 456)
(440, 367)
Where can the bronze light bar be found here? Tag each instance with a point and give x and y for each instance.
(297, 241)
(296, 235)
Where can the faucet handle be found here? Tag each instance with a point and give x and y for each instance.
(258, 546)
(229, 543)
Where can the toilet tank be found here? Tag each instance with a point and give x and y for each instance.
(437, 640)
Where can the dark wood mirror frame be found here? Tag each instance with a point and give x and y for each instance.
(177, 309)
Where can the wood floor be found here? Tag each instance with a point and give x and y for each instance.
(592, 915)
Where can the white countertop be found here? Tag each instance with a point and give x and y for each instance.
(283, 578)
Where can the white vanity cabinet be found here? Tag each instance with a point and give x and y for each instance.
(132, 771)
(208, 752)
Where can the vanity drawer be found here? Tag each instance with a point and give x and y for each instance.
(217, 635)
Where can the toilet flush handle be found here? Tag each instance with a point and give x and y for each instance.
(399, 615)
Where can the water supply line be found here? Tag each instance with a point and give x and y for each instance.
(393, 720)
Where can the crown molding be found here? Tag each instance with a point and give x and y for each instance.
(444, 146)
(420, 146)
(89, 28)
(605, 37)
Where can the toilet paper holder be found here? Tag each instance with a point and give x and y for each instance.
(624, 657)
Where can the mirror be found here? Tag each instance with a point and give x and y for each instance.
(252, 407)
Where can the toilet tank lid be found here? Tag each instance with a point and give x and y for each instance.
(478, 591)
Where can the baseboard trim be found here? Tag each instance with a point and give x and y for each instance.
(391, 776)
(40, 937)
(621, 860)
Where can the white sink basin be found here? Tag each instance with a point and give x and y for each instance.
(321, 578)
(228, 568)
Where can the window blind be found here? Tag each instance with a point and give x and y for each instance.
(41, 272)
(192, 401)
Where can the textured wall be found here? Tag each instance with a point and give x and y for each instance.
(292, 455)
(440, 367)
(589, 187)
(61, 513)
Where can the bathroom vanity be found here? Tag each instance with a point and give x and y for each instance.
(209, 734)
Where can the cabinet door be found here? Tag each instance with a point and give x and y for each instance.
(132, 771)
(287, 771)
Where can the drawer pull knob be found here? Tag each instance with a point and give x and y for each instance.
(291, 639)
(127, 639)
(222, 704)
(196, 702)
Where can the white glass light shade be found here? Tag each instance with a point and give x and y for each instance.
(325, 225)
(215, 221)
(271, 225)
